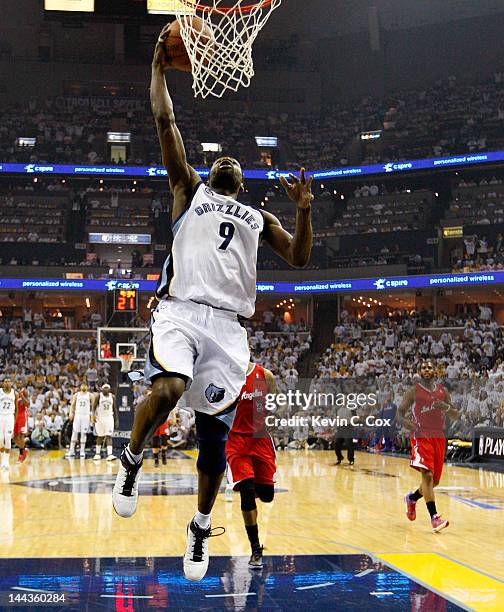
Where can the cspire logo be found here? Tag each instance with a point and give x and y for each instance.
(111, 285)
(392, 283)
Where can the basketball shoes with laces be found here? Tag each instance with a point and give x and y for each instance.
(125, 491)
(410, 507)
(256, 558)
(438, 523)
(196, 556)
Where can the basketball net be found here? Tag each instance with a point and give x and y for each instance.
(126, 362)
(223, 62)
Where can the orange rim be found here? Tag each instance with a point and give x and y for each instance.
(203, 8)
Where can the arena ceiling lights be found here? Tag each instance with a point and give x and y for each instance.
(79, 6)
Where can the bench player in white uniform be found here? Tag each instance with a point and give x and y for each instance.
(80, 415)
(197, 343)
(8, 411)
(105, 419)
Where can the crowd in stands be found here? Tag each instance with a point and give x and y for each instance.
(449, 117)
(376, 351)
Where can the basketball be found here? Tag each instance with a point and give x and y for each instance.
(176, 53)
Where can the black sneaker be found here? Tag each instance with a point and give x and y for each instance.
(256, 558)
(125, 491)
(196, 556)
(156, 461)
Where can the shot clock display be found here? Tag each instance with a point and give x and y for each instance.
(125, 300)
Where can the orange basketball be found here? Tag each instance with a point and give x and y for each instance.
(176, 53)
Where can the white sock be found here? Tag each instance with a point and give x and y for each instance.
(136, 458)
(72, 447)
(202, 520)
(83, 443)
(109, 449)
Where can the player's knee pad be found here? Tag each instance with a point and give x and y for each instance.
(265, 492)
(7, 443)
(247, 495)
(156, 442)
(75, 435)
(212, 456)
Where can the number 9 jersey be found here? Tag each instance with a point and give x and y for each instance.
(213, 260)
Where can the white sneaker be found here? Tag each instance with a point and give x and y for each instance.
(111, 457)
(196, 556)
(125, 491)
(70, 455)
(228, 495)
(82, 455)
(97, 457)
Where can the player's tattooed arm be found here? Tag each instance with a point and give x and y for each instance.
(296, 250)
(181, 175)
(17, 399)
(271, 382)
(407, 401)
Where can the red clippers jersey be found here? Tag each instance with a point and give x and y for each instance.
(23, 402)
(429, 421)
(251, 410)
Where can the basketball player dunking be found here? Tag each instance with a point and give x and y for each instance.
(430, 402)
(197, 342)
(250, 453)
(9, 399)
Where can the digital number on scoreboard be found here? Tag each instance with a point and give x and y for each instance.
(125, 300)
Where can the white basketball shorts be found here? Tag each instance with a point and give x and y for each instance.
(104, 427)
(6, 429)
(81, 423)
(204, 344)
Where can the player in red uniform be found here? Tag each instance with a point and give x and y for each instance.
(430, 403)
(21, 423)
(250, 453)
(160, 441)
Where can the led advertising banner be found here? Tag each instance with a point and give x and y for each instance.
(334, 173)
(305, 287)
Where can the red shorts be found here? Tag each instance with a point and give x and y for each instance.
(428, 454)
(21, 424)
(162, 430)
(250, 457)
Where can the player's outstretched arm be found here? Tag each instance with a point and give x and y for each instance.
(181, 175)
(295, 249)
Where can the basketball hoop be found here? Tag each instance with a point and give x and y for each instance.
(224, 61)
(126, 362)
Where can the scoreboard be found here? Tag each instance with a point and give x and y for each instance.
(125, 300)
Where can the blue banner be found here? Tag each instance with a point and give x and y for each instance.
(303, 288)
(333, 173)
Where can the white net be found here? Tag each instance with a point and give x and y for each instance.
(223, 61)
(126, 362)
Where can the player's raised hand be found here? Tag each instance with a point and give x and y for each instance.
(160, 60)
(299, 189)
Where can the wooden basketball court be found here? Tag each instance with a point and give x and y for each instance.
(322, 517)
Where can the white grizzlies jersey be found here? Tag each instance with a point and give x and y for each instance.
(83, 403)
(7, 403)
(104, 409)
(214, 253)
